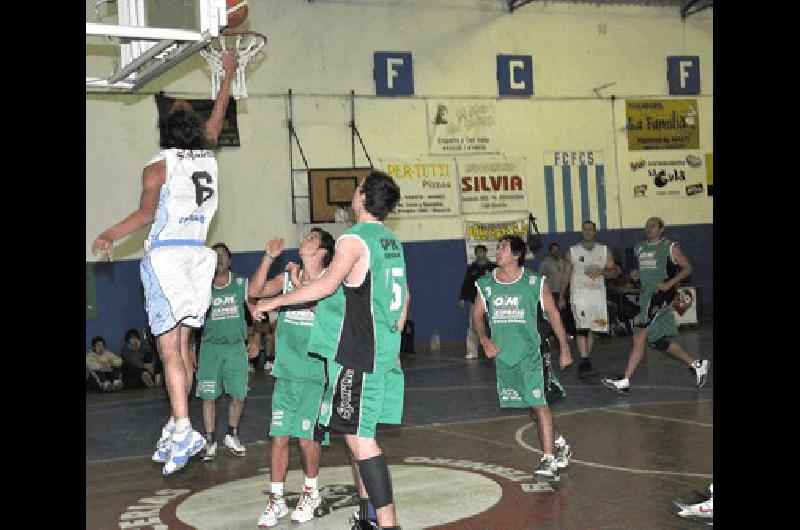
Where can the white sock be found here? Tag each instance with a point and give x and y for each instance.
(560, 441)
(547, 456)
(182, 426)
(311, 483)
(624, 382)
(276, 488)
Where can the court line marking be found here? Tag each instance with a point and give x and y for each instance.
(524, 445)
(652, 416)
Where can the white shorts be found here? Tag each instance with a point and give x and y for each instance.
(177, 286)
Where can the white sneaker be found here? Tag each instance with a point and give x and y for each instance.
(616, 385)
(159, 380)
(700, 369)
(563, 455)
(268, 366)
(473, 355)
(233, 443)
(106, 386)
(250, 368)
(147, 379)
(548, 470)
(182, 449)
(702, 512)
(309, 500)
(117, 385)
(276, 508)
(162, 447)
(209, 452)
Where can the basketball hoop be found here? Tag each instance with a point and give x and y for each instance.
(247, 45)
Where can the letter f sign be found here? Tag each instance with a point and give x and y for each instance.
(683, 75)
(393, 74)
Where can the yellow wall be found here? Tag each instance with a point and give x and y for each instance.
(322, 50)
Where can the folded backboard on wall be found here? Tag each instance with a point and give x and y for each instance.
(331, 189)
(228, 136)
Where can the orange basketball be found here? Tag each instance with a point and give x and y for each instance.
(237, 12)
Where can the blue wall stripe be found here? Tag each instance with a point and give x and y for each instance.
(566, 181)
(550, 194)
(600, 172)
(583, 176)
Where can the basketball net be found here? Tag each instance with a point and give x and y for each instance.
(247, 45)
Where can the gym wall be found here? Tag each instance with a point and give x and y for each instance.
(322, 50)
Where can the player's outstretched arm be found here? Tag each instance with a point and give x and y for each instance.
(214, 124)
(401, 322)
(153, 178)
(259, 286)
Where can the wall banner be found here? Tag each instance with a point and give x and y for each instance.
(428, 188)
(489, 186)
(662, 124)
(678, 174)
(480, 233)
(461, 127)
(575, 189)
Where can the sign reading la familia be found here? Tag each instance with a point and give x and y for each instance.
(662, 124)
(462, 127)
(575, 189)
(427, 187)
(489, 186)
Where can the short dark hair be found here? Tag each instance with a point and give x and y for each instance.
(590, 222)
(223, 246)
(479, 247)
(381, 194)
(98, 339)
(517, 247)
(327, 242)
(183, 130)
(550, 247)
(133, 332)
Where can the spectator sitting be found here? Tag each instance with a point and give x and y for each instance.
(105, 367)
(137, 361)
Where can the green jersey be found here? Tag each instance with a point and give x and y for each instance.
(225, 320)
(655, 262)
(291, 342)
(357, 325)
(513, 308)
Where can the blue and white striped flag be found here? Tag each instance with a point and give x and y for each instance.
(575, 189)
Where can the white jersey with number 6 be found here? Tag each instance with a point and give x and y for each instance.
(188, 197)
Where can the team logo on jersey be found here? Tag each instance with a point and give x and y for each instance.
(306, 424)
(537, 393)
(239, 281)
(345, 408)
(506, 301)
(323, 409)
(206, 386)
(509, 394)
(277, 418)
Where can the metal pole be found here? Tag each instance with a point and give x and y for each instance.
(291, 153)
(353, 125)
(616, 164)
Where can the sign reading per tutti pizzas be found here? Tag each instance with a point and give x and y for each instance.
(492, 186)
(662, 124)
(427, 187)
(462, 127)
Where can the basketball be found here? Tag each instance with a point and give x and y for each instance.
(237, 12)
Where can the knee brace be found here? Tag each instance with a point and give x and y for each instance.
(660, 344)
(375, 475)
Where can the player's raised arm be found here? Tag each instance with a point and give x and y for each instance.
(213, 126)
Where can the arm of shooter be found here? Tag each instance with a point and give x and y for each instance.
(554, 317)
(153, 178)
(565, 278)
(478, 310)
(401, 322)
(213, 125)
(348, 252)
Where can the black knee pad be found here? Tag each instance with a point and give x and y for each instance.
(375, 475)
(660, 344)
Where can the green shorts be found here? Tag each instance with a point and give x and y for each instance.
(659, 326)
(355, 402)
(522, 385)
(295, 407)
(221, 365)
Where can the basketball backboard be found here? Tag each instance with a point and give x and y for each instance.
(149, 37)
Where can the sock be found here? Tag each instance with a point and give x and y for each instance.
(547, 456)
(233, 431)
(624, 382)
(560, 441)
(276, 488)
(311, 483)
(363, 509)
(182, 426)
